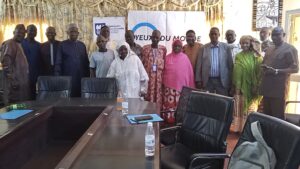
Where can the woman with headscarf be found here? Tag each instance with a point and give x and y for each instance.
(178, 72)
(129, 71)
(246, 78)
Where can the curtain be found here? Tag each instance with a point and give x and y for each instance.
(60, 13)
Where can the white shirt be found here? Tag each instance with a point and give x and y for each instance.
(101, 61)
(235, 49)
(131, 75)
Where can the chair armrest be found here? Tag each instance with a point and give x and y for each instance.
(209, 156)
(168, 136)
(201, 156)
(172, 128)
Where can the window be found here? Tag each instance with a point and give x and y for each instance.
(7, 31)
(293, 20)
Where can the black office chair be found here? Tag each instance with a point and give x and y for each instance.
(181, 106)
(99, 88)
(53, 87)
(281, 136)
(167, 136)
(204, 129)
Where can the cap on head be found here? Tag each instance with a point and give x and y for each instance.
(230, 31)
(72, 25)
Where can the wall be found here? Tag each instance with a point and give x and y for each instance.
(238, 16)
(287, 6)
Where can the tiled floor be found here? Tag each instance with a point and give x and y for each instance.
(231, 142)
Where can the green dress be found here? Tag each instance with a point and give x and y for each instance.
(247, 77)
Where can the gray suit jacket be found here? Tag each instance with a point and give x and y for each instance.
(203, 64)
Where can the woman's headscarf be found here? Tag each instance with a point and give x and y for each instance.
(176, 42)
(254, 43)
(127, 46)
(178, 70)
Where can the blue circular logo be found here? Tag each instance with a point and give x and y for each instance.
(142, 24)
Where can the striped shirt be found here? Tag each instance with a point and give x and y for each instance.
(214, 60)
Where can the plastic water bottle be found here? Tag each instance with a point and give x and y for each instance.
(149, 140)
(119, 101)
(16, 106)
(125, 104)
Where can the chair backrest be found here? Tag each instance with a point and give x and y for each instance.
(53, 87)
(206, 122)
(99, 88)
(281, 136)
(182, 103)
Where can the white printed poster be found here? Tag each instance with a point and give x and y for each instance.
(116, 25)
(171, 24)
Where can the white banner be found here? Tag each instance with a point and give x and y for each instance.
(171, 24)
(116, 25)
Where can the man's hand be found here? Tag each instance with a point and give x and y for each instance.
(268, 69)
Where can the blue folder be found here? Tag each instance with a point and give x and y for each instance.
(155, 118)
(14, 114)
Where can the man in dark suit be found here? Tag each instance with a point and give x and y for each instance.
(214, 65)
(279, 62)
(48, 52)
(72, 59)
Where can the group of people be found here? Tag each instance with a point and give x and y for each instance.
(247, 70)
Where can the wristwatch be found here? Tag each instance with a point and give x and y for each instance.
(276, 71)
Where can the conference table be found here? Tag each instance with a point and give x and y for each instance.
(77, 133)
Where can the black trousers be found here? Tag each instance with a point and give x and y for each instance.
(274, 107)
(214, 85)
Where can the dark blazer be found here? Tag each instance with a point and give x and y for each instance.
(203, 64)
(46, 67)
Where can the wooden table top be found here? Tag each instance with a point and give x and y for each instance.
(110, 142)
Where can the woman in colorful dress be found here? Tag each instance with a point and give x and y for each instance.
(178, 72)
(246, 79)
